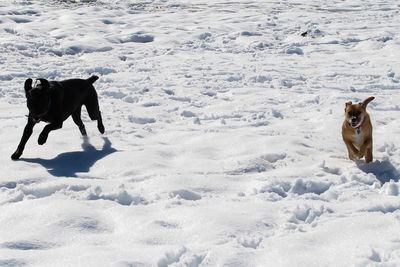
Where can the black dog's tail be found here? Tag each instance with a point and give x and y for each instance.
(92, 79)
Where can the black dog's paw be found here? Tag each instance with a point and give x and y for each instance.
(42, 139)
(100, 126)
(101, 129)
(16, 155)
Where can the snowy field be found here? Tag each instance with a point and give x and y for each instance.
(223, 134)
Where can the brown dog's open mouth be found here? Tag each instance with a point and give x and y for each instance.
(355, 123)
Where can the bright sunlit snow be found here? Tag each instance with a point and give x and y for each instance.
(223, 138)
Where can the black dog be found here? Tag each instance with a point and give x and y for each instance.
(54, 102)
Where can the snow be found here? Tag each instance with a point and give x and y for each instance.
(223, 134)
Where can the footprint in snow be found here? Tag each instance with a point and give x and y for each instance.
(171, 257)
(281, 189)
(121, 196)
(9, 185)
(141, 120)
(13, 262)
(185, 194)
(253, 243)
(84, 224)
(28, 245)
(305, 215)
(260, 164)
(165, 224)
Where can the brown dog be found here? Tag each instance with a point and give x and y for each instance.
(357, 130)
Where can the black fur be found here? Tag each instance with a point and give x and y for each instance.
(54, 102)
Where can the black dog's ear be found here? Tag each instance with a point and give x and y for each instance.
(28, 85)
(42, 84)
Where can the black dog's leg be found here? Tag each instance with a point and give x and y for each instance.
(92, 106)
(76, 116)
(25, 136)
(100, 125)
(46, 130)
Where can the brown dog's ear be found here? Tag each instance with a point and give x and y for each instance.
(28, 85)
(366, 101)
(347, 104)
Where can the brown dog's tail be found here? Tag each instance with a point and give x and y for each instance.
(92, 79)
(366, 101)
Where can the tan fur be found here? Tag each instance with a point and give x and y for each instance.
(358, 145)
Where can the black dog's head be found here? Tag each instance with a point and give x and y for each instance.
(37, 98)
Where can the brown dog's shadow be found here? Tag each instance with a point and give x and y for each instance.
(383, 170)
(70, 163)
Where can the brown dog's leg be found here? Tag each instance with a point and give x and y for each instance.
(366, 149)
(368, 156)
(361, 153)
(25, 137)
(353, 151)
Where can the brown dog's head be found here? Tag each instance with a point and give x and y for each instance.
(355, 114)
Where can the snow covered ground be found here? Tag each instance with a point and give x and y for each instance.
(222, 143)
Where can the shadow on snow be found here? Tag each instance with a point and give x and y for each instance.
(384, 170)
(70, 163)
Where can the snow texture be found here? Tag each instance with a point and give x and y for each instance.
(223, 134)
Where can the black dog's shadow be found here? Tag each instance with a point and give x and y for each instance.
(384, 170)
(70, 163)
